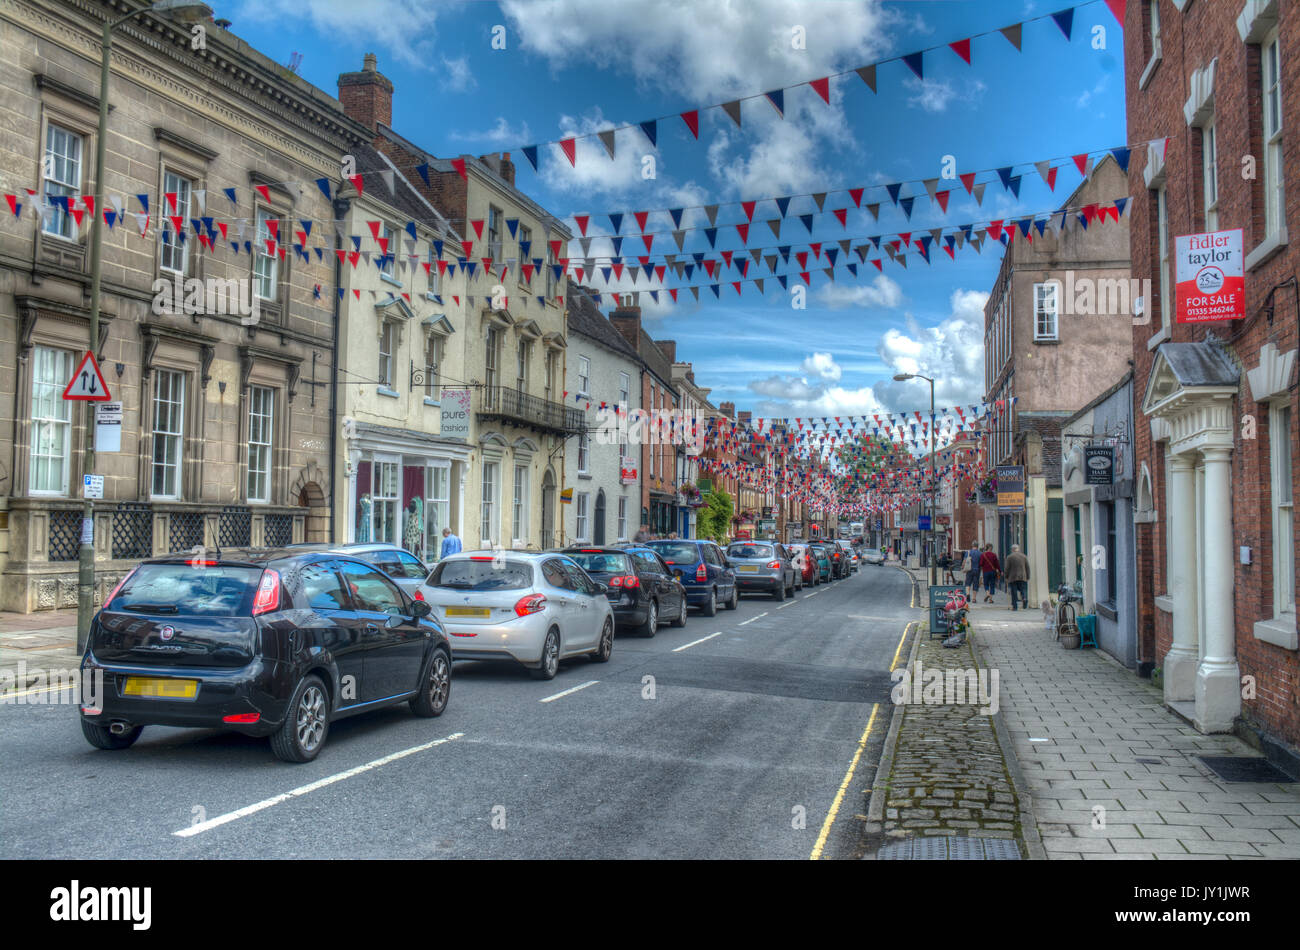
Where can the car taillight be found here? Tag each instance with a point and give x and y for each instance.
(532, 604)
(701, 573)
(198, 562)
(119, 586)
(773, 564)
(625, 581)
(242, 717)
(268, 593)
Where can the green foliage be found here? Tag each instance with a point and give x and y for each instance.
(713, 520)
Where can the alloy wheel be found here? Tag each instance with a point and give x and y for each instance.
(311, 718)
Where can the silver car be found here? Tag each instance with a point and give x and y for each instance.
(535, 609)
(764, 566)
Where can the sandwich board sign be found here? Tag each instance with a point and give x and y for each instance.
(87, 383)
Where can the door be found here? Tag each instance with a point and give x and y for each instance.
(392, 641)
(588, 616)
(1055, 532)
(333, 627)
(598, 535)
(563, 593)
(548, 509)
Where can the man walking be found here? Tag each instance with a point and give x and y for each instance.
(642, 534)
(970, 566)
(450, 543)
(990, 568)
(1018, 576)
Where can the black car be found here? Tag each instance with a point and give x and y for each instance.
(268, 642)
(640, 586)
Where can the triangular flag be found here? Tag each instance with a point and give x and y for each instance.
(733, 109)
(962, 49)
(868, 74)
(607, 139)
(530, 153)
(569, 147)
(1012, 33)
(823, 88)
(692, 120)
(1065, 20)
(913, 61)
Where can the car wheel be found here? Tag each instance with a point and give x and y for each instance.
(101, 737)
(779, 594)
(306, 723)
(550, 664)
(433, 698)
(711, 606)
(680, 620)
(606, 646)
(735, 599)
(651, 625)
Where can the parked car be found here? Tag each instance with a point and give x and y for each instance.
(763, 566)
(850, 557)
(641, 588)
(805, 562)
(535, 609)
(271, 642)
(872, 556)
(825, 566)
(398, 563)
(703, 570)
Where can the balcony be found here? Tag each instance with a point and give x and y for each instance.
(520, 408)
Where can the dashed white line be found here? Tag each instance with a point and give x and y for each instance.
(572, 689)
(791, 604)
(752, 619)
(814, 594)
(687, 646)
(305, 789)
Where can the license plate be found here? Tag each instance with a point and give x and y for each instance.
(748, 569)
(467, 612)
(159, 688)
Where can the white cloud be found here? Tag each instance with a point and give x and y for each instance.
(500, 134)
(952, 353)
(405, 30)
(934, 95)
(459, 77)
(822, 365)
(881, 292)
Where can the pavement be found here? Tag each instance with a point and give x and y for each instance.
(33, 644)
(1108, 771)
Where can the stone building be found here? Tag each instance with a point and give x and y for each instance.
(225, 415)
(1213, 87)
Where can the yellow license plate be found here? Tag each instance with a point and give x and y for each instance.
(748, 569)
(158, 688)
(467, 611)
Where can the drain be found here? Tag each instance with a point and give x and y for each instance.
(1244, 768)
(955, 848)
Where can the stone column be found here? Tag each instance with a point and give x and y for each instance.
(1218, 678)
(1181, 660)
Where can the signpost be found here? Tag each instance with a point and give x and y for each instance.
(87, 383)
(1209, 280)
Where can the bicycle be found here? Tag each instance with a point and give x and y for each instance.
(1066, 618)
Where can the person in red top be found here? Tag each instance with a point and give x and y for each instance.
(990, 568)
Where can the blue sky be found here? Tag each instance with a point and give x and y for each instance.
(583, 65)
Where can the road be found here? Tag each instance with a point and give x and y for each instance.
(733, 737)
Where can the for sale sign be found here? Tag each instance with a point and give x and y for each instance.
(1210, 277)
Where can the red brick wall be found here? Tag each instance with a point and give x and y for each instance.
(1190, 40)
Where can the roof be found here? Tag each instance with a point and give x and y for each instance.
(656, 362)
(1200, 364)
(404, 197)
(586, 320)
(1123, 381)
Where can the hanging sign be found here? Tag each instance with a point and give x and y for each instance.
(1099, 465)
(108, 427)
(1011, 488)
(455, 413)
(1210, 278)
(87, 383)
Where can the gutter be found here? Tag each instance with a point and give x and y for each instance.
(341, 208)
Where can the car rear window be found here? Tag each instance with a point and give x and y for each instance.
(487, 574)
(749, 550)
(677, 553)
(206, 591)
(601, 563)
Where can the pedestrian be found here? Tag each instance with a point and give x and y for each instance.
(450, 543)
(672, 536)
(642, 534)
(991, 570)
(1017, 574)
(971, 565)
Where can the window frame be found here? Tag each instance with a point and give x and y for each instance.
(53, 213)
(489, 488)
(268, 446)
(1274, 177)
(582, 509)
(183, 210)
(1210, 173)
(494, 235)
(173, 439)
(432, 360)
(1282, 509)
(1040, 312)
(519, 505)
(61, 358)
(1163, 255)
(491, 367)
(387, 337)
(584, 375)
(262, 214)
(622, 518)
(523, 359)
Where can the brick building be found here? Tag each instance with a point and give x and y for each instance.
(1215, 86)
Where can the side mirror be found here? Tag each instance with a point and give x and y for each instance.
(421, 609)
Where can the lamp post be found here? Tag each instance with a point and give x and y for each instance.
(185, 10)
(902, 378)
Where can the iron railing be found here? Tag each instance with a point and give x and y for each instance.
(511, 405)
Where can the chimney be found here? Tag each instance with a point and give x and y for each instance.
(728, 409)
(367, 96)
(668, 348)
(627, 321)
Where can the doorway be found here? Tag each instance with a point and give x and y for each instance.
(548, 509)
(598, 533)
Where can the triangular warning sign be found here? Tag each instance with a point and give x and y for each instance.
(87, 383)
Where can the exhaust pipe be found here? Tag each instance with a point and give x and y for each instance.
(118, 728)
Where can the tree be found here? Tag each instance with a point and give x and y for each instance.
(714, 518)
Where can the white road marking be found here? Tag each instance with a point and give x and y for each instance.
(806, 596)
(752, 619)
(687, 646)
(305, 789)
(791, 604)
(571, 689)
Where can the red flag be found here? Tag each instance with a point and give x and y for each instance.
(641, 217)
(962, 49)
(569, 146)
(1117, 7)
(743, 231)
(748, 207)
(856, 195)
(468, 248)
(843, 215)
(823, 88)
(1081, 163)
(459, 165)
(374, 229)
(692, 120)
(942, 198)
(581, 220)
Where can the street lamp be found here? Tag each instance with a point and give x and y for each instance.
(187, 11)
(902, 378)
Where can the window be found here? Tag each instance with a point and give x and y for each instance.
(1046, 308)
(622, 518)
(550, 274)
(624, 397)
(175, 252)
(494, 234)
(581, 530)
(1270, 55)
(266, 264)
(1162, 236)
(550, 375)
(168, 432)
(437, 507)
(1279, 425)
(519, 512)
(320, 587)
(584, 452)
(487, 521)
(385, 501)
(521, 369)
(62, 168)
(387, 336)
(584, 375)
(387, 249)
(51, 421)
(431, 352)
(261, 410)
(371, 591)
(1112, 552)
(1210, 175)
(525, 238)
(1155, 25)
(435, 279)
(493, 350)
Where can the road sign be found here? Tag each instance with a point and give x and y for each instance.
(87, 383)
(93, 486)
(923, 522)
(108, 427)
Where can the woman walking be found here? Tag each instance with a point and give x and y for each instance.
(990, 568)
